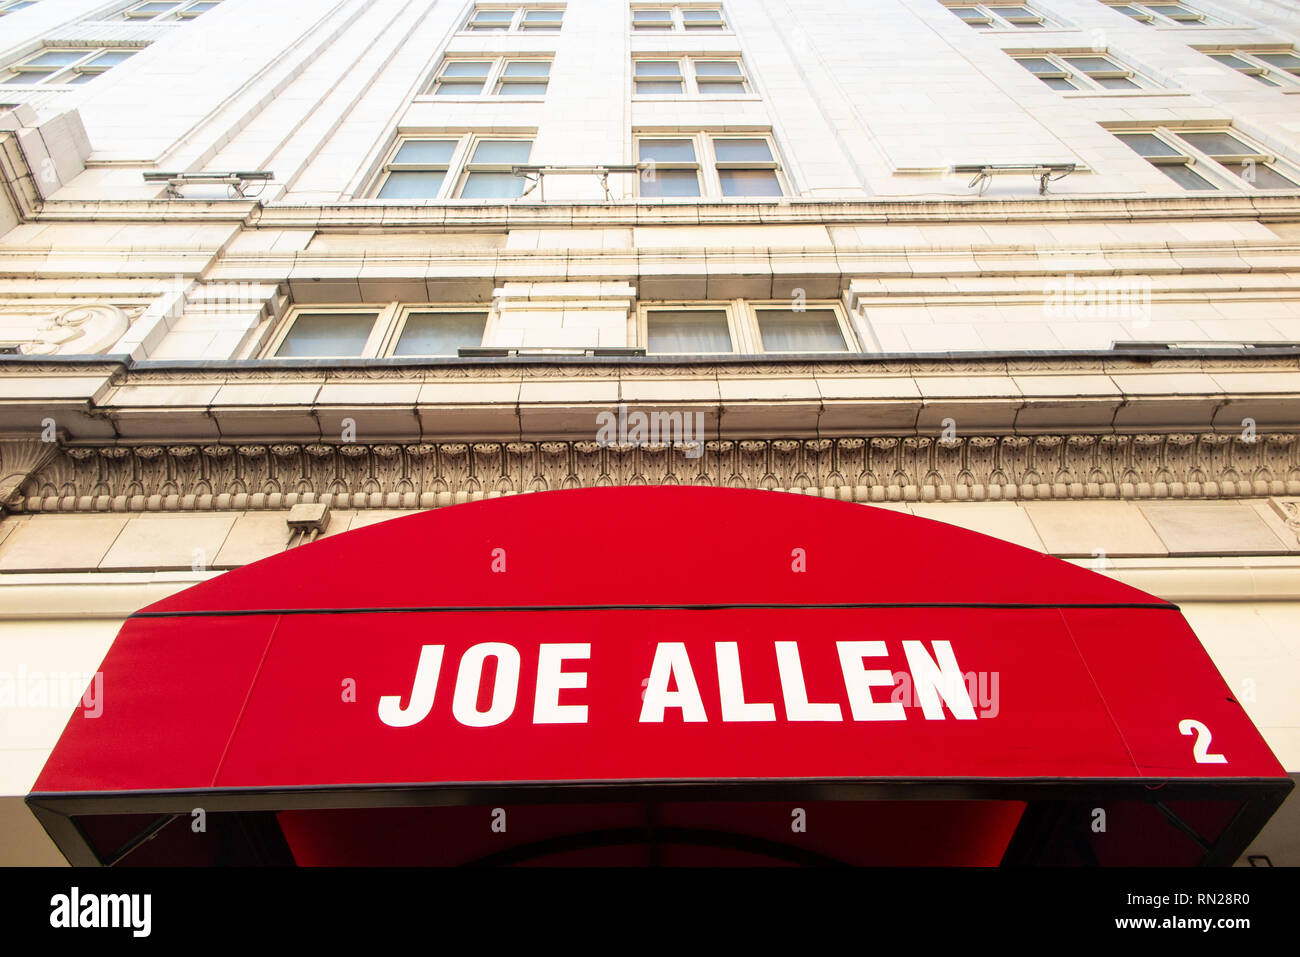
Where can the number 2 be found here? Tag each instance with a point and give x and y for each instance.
(1201, 747)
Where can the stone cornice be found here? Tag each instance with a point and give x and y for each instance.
(277, 475)
(1283, 358)
(412, 401)
(453, 216)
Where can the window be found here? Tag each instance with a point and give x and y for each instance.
(60, 66)
(1209, 159)
(499, 77)
(421, 167)
(14, 5)
(707, 164)
(704, 19)
(168, 9)
(809, 330)
(678, 331)
(1067, 71)
(515, 20)
(1162, 14)
(991, 17)
(1271, 67)
(743, 327)
(689, 76)
(348, 332)
(417, 169)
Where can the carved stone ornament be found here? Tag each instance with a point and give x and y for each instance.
(80, 330)
(859, 469)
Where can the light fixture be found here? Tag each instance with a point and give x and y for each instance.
(1044, 172)
(235, 180)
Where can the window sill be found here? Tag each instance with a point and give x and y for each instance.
(481, 98)
(1078, 94)
(695, 98)
(1025, 32)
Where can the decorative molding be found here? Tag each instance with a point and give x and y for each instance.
(879, 468)
(19, 458)
(83, 329)
(1289, 511)
(160, 372)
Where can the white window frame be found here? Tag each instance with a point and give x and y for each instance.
(390, 166)
(1195, 18)
(1277, 77)
(1213, 170)
(690, 78)
(706, 162)
(13, 6)
(383, 314)
(518, 18)
(677, 18)
(80, 66)
(997, 22)
(729, 308)
(1085, 81)
(456, 168)
(390, 321)
(406, 310)
(742, 322)
(495, 79)
(182, 11)
(755, 306)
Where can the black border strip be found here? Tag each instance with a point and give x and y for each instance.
(710, 606)
(58, 811)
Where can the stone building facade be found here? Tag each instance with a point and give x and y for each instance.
(274, 271)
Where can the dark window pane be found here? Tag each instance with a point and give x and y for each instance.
(433, 152)
(1287, 61)
(1037, 64)
(503, 151)
(492, 186)
(407, 184)
(667, 151)
(56, 58)
(528, 88)
(784, 330)
(742, 151)
(1147, 144)
(1261, 177)
(473, 88)
(658, 68)
(749, 182)
(658, 86)
(717, 68)
(112, 59)
(1228, 60)
(719, 86)
(467, 68)
(440, 333)
(1184, 177)
(328, 334)
(528, 68)
(1217, 144)
(687, 331)
(1090, 64)
(1117, 83)
(670, 182)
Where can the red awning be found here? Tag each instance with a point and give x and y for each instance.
(608, 641)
